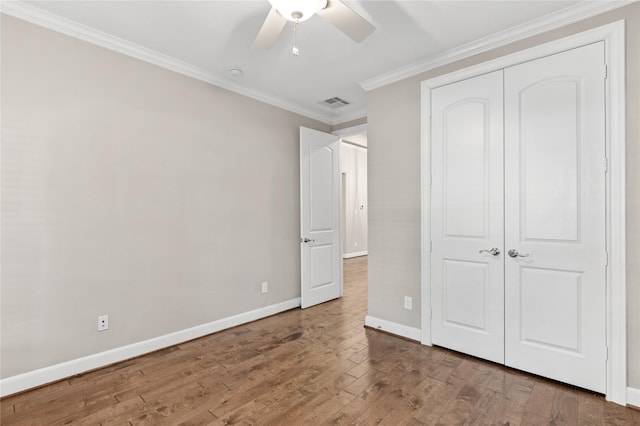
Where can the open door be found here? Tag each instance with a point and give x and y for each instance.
(320, 251)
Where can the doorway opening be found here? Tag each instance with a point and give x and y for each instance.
(354, 202)
(353, 166)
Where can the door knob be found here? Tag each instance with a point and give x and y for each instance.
(494, 251)
(306, 240)
(514, 253)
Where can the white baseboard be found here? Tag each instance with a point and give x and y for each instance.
(633, 397)
(42, 376)
(355, 254)
(393, 328)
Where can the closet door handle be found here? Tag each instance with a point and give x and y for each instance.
(514, 253)
(494, 251)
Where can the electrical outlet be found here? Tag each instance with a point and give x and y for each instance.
(408, 301)
(265, 287)
(103, 322)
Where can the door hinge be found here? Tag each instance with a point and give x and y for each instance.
(606, 71)
(430, 246)
(606, 164)
(606, 353)
(606, 258)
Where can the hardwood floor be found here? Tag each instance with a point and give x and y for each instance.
(317, 366)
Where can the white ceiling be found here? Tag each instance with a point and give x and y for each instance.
(211, 37)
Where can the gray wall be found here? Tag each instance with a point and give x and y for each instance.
(131, 190)
(394, 183)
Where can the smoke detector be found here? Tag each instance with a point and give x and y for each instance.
(236, 72)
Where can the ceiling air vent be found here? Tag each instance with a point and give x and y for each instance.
(335, 102)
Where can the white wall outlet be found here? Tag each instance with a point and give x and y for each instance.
(103, 322)
(265, 287)
(408, 302)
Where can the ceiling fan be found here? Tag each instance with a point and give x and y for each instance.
(335, 11)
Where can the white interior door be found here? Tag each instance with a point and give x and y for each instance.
(320, 182)
(555, 166)
(467, 272)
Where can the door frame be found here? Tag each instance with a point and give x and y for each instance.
(341, 133)
(613, 36)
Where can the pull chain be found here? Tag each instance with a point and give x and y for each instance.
(295, 38)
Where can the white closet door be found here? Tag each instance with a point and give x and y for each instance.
(467, 217)
(555, 216)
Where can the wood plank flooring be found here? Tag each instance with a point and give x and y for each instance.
(317, 366)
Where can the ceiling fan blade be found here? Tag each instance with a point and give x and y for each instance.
(346, 20)
(271, 29)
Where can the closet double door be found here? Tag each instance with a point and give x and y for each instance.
(518, 252)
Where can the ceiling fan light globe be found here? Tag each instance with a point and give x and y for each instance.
(305, 9)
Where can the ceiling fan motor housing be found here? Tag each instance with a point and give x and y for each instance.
(335, 12)
(296, 10)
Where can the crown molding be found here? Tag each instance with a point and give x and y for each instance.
(65, 26)
(346, 117)
(74, 29)
(569, 15)
(350, 131)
